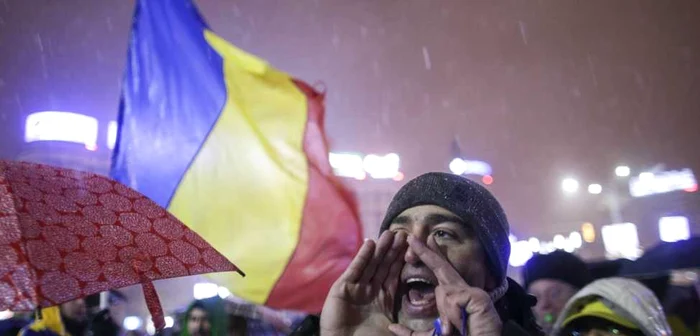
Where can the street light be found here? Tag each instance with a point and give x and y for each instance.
(595, 188)
(569, 185)
(622, 171)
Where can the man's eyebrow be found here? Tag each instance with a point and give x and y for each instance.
(401, 220)
(431, 219)
(434, 219)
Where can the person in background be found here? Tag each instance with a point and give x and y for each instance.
(107, 322)
(612, 306)
(205, 317)
(553, 279)
(68, 319)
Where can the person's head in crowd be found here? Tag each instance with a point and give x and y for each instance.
(117, 306)
(462, 221)
(75, 316)
(553, 279)
(238, 326)
(197, 320)
(205, 317)
(606, 268)
(70, 318)
(612, 306)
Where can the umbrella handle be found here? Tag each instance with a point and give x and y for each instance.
(153, 304)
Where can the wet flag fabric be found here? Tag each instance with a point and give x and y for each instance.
(237, 151)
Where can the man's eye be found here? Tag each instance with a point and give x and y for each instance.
(443, 234)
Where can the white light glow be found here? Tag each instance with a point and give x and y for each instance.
(150, 328)
(6, 315)
(649, 183)
(520, 253)
(595, 188)
(382, 167)
(169, 322)
(534, 244)
(621, 241)
(204, 290)
(569, 185)
(674, 228)
(512, 239)
(458, 166)
(224, 292)
(347, 165)
(575, 240)
(61, 126)
(622, 171)
(559, 242)
(111, 134)
(132, 323)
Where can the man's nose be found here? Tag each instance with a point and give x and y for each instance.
(424, 236)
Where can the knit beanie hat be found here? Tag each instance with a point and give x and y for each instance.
(469, 201)
(558, 265)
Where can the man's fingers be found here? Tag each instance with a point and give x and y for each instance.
(400, 330)
(383, 245)
(358, 264)
(467, 303)
(397, 251)
(444, 272)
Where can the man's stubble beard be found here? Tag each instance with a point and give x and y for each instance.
(416, 324)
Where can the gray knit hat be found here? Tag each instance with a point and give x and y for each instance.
(466, 199)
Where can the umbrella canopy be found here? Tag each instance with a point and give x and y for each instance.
(66, 234)
(666, 257)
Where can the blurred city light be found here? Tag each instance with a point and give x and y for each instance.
(150, 328)
(646, 176)
(488, 179)
(376, 166)
(622, 171)
(458, 166)
(347, 165)
(575, 240)
(6, 315)
(662, 182)
(61, 126)
(132, 323)
(569, 185)
(470, 167)
(674, 228)
(588, 232)
(382, 167)
(534, 244)
(559, 242)
(111, 134)
(512, 239)
(205, 290)
(223, 292)
(595, 188)
(621, 241)
(169, 322)
(520, 253)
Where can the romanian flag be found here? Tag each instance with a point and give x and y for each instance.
(236, 150)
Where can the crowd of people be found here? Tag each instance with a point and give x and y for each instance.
(437, 268)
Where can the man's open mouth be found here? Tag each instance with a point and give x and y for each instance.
(419, 296)
(420, 291)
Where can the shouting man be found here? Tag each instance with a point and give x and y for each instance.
(440, 262)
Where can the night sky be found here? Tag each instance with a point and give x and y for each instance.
(540, 89)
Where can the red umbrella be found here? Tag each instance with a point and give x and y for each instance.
(66, 234)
